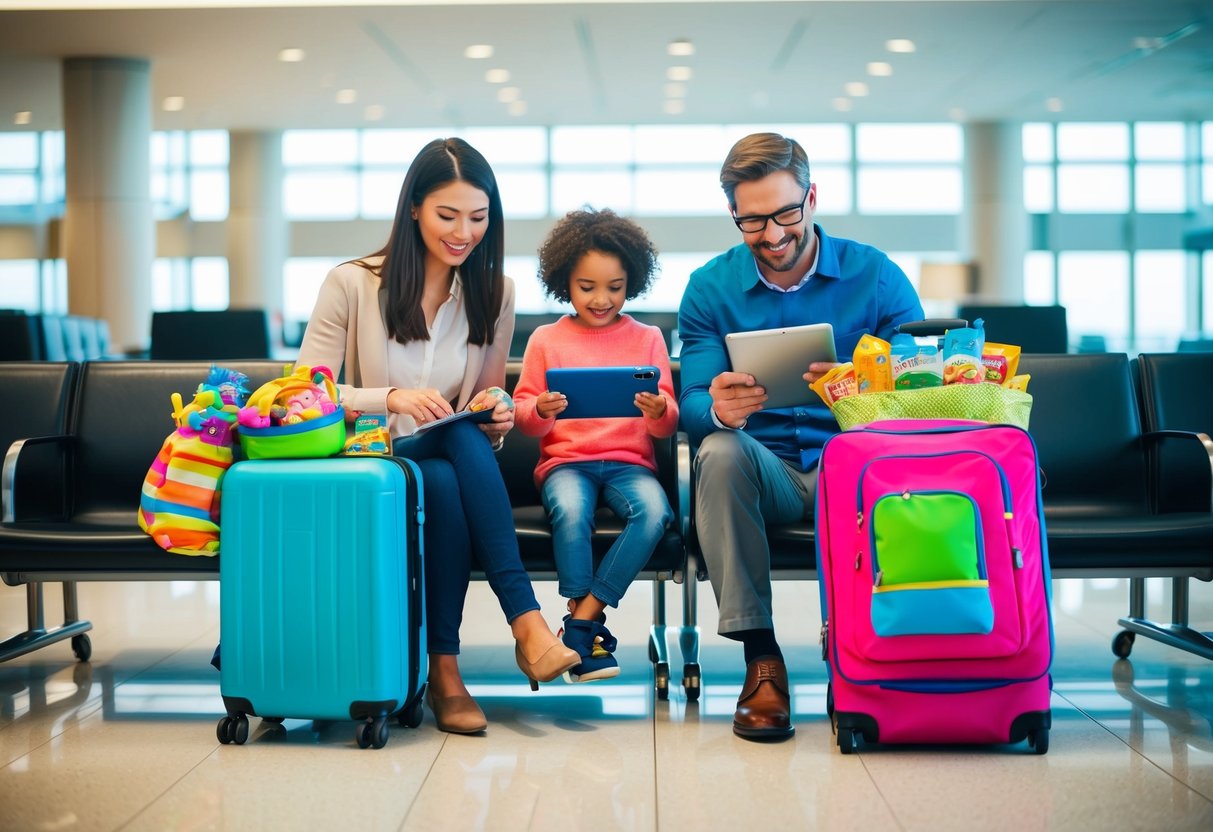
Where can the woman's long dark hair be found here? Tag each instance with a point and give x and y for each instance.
(402, 272)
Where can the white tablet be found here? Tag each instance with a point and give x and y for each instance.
(778, 359)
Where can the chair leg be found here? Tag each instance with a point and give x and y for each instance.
(1176, 634)
(688, 633)
(658, 651)
(37, 636)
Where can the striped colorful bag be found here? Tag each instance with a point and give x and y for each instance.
(179, 505)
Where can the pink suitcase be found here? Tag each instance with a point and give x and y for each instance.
(934, 583)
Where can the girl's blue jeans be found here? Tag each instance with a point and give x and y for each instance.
(467, 512)
(570, 495)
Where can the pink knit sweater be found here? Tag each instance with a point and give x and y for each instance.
(567, 343)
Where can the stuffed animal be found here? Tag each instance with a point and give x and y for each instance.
(304, 394)
(179, 506)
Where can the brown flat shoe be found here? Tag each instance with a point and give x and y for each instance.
(764, 708)
(456, 714)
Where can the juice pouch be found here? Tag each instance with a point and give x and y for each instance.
(962, 351)
(873, 368)
(1019, 382)
(1000, 362)
(838, 383)
(915, 365)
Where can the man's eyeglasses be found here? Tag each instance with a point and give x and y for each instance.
(784, 216)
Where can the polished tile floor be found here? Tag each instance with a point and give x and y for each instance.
(127, 741)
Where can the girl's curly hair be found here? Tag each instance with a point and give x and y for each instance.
(603, 231)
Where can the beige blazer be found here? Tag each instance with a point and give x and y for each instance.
(347, 330)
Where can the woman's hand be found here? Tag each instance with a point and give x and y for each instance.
(549, 405)
(651, 404)
(503, 413)
(424, 405)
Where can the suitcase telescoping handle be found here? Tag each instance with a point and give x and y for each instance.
(931, 326)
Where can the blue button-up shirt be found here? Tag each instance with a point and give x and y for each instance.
(856, 288)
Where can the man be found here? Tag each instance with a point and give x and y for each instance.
(757, 466)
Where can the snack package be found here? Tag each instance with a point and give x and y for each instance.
(1000, 362)
(837, 384)
(962, 351)
(371, 437)
(1019, 382)
(915, 365)
(873, 367)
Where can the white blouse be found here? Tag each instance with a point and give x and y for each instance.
(439, 362)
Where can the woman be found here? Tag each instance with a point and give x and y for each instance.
(422, 328)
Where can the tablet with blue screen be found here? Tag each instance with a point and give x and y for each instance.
(602, 392)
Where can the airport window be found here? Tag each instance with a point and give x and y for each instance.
(1158, 299)
(189, 174)
(19, 284)
(1092, 189)
(189, 283)
(1093, 286)
(909, 168)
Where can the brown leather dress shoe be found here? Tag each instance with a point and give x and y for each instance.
(764, 708)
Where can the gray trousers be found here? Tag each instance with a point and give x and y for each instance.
(740, 487)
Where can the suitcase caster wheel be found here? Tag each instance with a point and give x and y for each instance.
(690, 682)
(1122, 645)
(82, 647)
(411, 716)
(848, 740)
(240, 729)
(1038, 741)
(372, 734)
(661, 674)
(223, 730)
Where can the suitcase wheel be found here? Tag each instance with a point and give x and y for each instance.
(372, 734)
(848, 740)
(412, 715)
(232, 729)
(690, 681)
(1038, 740)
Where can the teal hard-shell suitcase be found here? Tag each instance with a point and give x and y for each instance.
(321, 593)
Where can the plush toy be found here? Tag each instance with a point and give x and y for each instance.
(304, 394)
(179, 506)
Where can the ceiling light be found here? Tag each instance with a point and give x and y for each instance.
(174, 103)
(880, 69)
(1147, 44)
(957, 114)
(680, 47)
(674, 106)
(291, 56)
(373, 112)
(841, 104)
(517, 108)
(675, 90)
(23, 117)
(347, 96)
(679, 73)
(900, 45)
(1054, 105)
(497, 76)
(855, 89)
(478, 51)
(508, 94)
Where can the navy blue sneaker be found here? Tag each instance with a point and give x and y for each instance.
(595, 644)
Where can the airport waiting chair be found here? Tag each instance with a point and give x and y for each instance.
(210, 335)
(1037, 329)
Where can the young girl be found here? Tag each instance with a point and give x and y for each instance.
(422, 328)
(596, 261)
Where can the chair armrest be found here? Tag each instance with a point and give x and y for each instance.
(682, 460)
(1157, 436)
(8, 473)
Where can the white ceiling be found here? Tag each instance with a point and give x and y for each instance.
(606, 62)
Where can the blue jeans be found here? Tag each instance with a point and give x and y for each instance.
(570, 495)
(467, 511)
